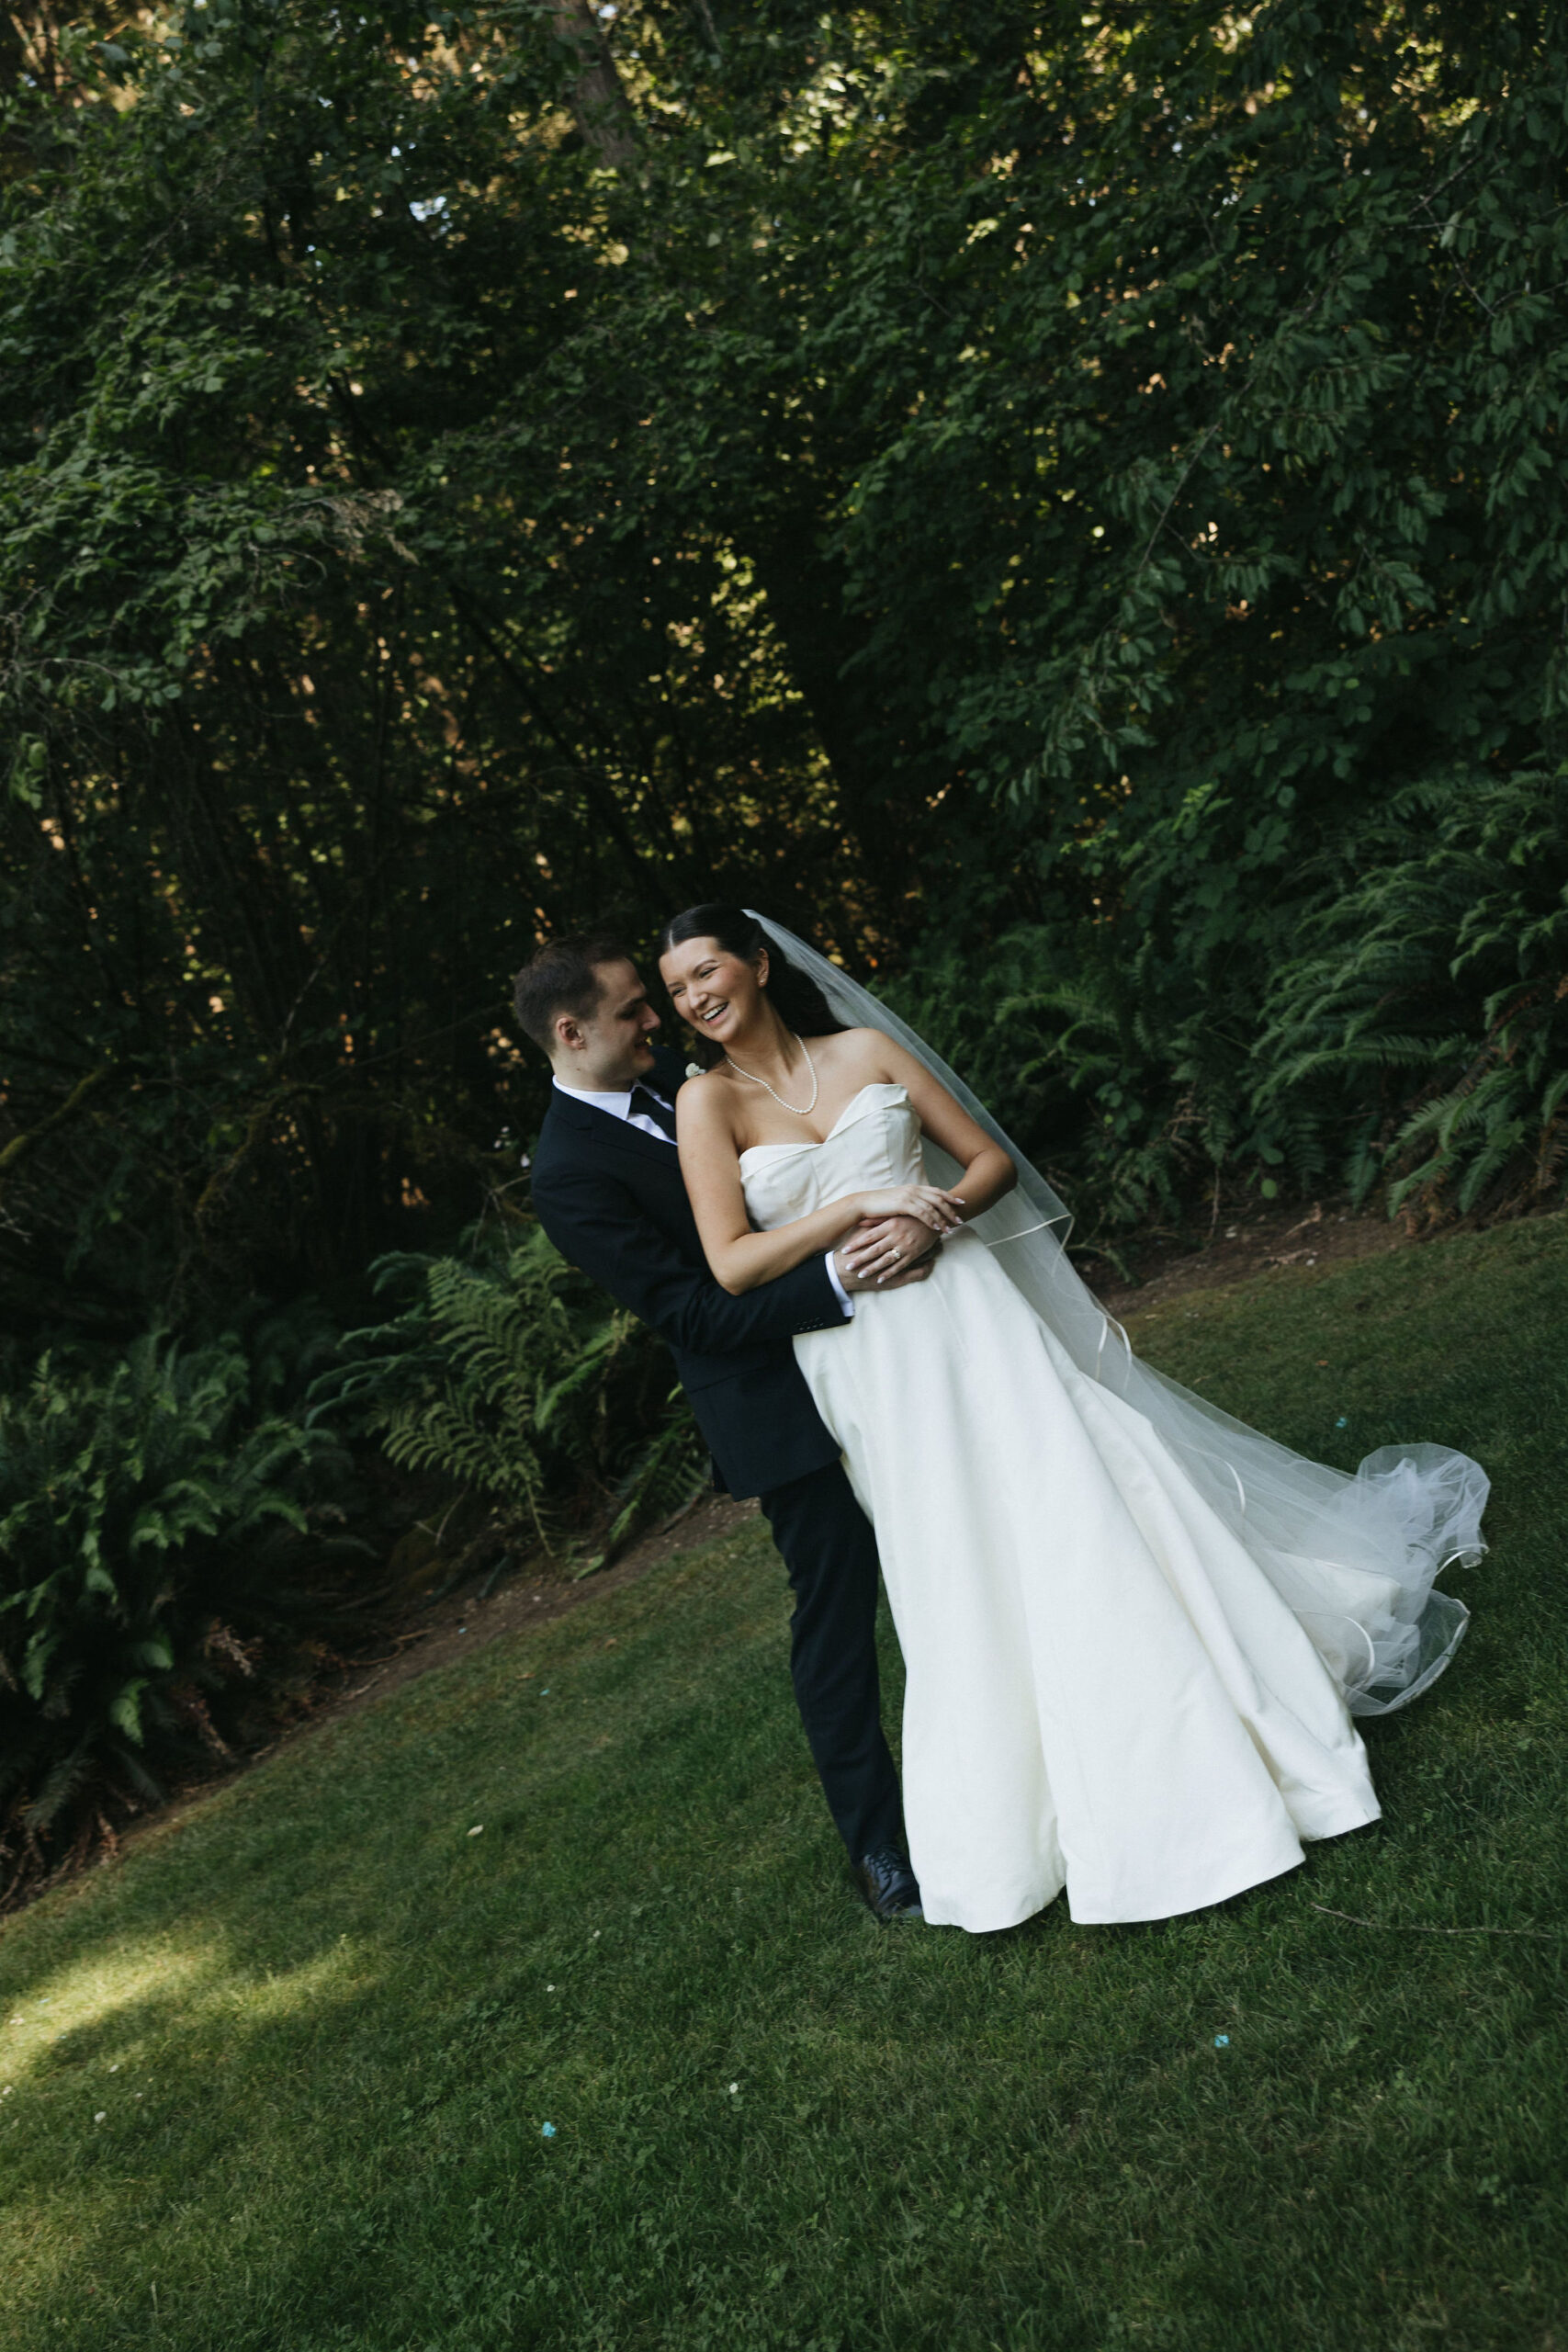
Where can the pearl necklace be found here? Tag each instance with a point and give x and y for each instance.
(779, 1098)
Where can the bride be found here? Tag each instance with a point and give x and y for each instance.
(1134, 1631)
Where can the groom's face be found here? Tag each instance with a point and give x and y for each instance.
(608, 1050)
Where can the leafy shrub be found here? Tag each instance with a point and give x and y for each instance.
(152, 1533)
(1426, 1025)
(1128, 1090)
(1403, 1032)
(506, 1373)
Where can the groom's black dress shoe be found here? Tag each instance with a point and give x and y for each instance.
(888, 1884)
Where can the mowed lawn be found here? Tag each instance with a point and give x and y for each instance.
(285, 2077)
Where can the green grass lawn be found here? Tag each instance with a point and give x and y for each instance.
(281, 2079)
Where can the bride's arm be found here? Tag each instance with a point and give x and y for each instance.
(742, 1259)
(988, 1172)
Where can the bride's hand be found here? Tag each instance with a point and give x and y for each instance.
(887, 1251)
(943, 1212)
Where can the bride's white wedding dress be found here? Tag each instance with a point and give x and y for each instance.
(1105, 1691)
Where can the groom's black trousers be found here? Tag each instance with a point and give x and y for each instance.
(827, 1546)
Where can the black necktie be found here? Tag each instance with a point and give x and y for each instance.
(648, 1103)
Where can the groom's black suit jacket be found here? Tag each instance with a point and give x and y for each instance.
(612, 1200)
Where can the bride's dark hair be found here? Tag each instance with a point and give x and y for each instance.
(798, 1002)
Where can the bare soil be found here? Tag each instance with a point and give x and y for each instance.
(1168, 1266)
(437, 1631)
(410, 1639)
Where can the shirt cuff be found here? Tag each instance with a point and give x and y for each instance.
(840, 1293)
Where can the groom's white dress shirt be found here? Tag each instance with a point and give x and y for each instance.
(619, 1106)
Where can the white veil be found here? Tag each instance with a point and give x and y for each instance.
(1355, 1557)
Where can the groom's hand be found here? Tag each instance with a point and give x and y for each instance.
(888, 1252)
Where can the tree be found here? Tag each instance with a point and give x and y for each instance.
(959, 475)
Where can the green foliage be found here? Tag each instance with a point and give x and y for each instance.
(151, 1527)
(1130, 1100)
(506, 1373)
(950, 474)
(1439, 977)
(1415, 1041)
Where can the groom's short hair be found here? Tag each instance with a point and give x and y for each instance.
(564, 977)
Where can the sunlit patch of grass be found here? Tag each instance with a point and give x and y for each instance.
(349, 2021)
(88, 2002)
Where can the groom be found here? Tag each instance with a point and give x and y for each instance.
(607, 1187)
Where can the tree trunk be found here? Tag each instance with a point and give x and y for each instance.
(598, 101)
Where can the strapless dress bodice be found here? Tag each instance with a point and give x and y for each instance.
(874, 1140)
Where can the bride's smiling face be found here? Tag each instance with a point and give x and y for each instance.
(717, 994)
